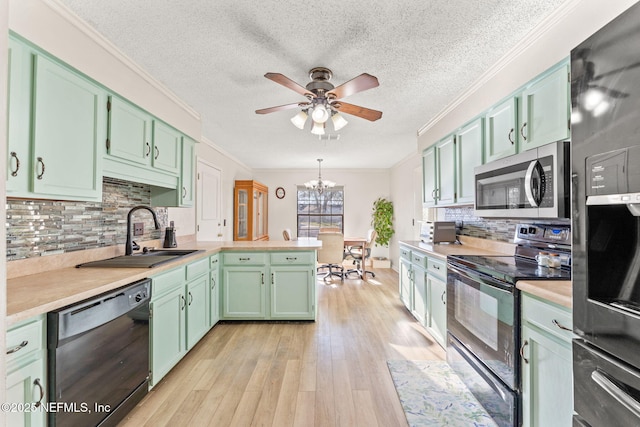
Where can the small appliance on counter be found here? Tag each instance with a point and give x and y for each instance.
(438, 232)
(170, 237)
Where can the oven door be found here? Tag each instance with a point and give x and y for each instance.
(482, 313)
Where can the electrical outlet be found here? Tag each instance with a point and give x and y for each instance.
(138, 228)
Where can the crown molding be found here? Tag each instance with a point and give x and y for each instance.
(224, 152)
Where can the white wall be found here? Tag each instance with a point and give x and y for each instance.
(361, 188)
(573, 23)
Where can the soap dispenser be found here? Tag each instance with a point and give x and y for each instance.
(170, 237)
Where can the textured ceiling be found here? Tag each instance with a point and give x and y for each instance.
(214, 54)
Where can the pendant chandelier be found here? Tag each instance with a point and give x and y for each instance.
(319, 185)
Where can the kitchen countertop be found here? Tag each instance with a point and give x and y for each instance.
(556, 291)
(38, 293)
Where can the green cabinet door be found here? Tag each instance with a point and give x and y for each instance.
(406, 283)
(25, 385)
(437, 303)
(429, 174)
(168, 332)
(501, 134)
(187, 172)
(166, 148)
(446, 163)
(67, 124)
(469, 154)
(547, 381)
(243, 293)
(129, 136)
(419, 300)
(292, 292)
(546, 110)
(19, 114)
(197, 292)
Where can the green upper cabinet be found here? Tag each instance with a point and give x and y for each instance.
(187, 173)
(429, 174)
(166, 148)
(129, 136)
(446, 163)
(19, 114)
(469, 154)
(546, 110)
(500, 127)
(54, 128)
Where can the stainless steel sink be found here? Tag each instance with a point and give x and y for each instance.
(148, 259)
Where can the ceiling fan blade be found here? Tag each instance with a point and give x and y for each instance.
(356, 110)
(357, 84)
(287, 82)
(281, 107)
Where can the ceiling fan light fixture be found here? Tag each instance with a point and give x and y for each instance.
(338, 121)
(318, 128)
(299, 119)
(320, 114)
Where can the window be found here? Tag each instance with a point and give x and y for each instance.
(317, 211)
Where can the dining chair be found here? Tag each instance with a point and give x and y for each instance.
(330, 254)
(361, 254)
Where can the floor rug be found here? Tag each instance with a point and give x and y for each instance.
(431, 394)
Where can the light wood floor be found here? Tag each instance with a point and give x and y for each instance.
(331, 372)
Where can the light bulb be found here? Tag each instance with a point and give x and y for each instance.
(320, 114)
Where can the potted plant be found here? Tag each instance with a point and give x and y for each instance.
(382, 221)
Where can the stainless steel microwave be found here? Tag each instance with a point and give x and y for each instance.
(532, 184)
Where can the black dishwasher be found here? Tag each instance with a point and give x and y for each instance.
(98, 357)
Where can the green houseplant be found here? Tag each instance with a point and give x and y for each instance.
(382, 221)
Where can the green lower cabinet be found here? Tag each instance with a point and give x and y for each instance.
(197, 295)
(547, 372)
(244, 292)
(168, 332)
(437, 319)
(26, 372)
(419, 300)
(405, 282)
(292, 293)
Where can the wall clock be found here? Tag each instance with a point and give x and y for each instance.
(280, 193)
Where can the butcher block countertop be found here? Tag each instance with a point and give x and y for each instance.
(556, 291)
(36, 286)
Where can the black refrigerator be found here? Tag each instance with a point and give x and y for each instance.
(605, 159)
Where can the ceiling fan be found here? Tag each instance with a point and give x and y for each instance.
(324, 99)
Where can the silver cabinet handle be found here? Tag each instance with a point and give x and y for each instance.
(19, 347)
(510, 136)
(184, 302)
(291, 258)
(442, 297)
(273, 279)
(184, 192)
(41, 163)
(14, 172)
(157, 151)
(190, 298)
(262, 278)
(522, 131)
(38, 384)
(148, 149)
(559, 326)
(524, 344)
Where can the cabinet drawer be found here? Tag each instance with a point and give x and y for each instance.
(197, 268)
(548, 317)
(214, 261)
(167, 282)
(25, 338)
(405, 253)
(437, 268)
(292, 258)
(245, 258)
(419, 259)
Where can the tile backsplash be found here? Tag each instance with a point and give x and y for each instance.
(46, 227)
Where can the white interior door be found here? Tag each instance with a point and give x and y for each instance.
(209, 202)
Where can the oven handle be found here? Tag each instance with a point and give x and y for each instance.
(616, 392)
(477, 276)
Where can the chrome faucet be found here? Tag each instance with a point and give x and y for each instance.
(128, 246)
